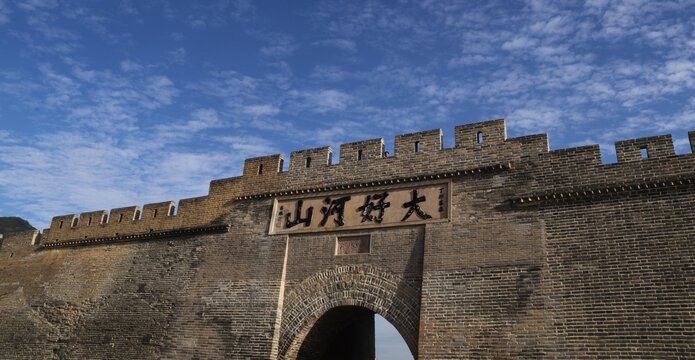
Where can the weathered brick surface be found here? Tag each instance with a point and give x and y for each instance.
(620, 277)
(553, 255)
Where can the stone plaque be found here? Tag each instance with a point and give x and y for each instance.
(350, 245)
(377, 207)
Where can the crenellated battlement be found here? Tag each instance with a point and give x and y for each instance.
(648, 147)
(420, 142)
(362, 150)
(126, 220)
(417, 155)
(311, 158)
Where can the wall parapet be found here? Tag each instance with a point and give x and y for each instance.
(479, 147)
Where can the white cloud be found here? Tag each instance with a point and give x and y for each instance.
(279, 48)
(557, 25)
(161, 89)
(219, 13)
(679, 73)
(16, 84)
(250, 146)
(127, 7)
(64, 88)
(342, 44)
(683, 120)
(261, 110)
(203, 119)
(32, 5)
(58, 175)
(328, 73)
(200, 120)
(130, 66)
(682, 146)
(326, 100)
(178, 56)
(88, 170)
(4, 13)
(539, 119)
(472, 59)
(518, 43)
(185, 168)
(229, 85)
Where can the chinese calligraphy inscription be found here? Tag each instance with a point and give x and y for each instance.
(369, 206)
(362, 209)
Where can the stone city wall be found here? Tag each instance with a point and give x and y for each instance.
(536, 254)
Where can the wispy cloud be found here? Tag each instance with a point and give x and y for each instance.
(32, 5)
(199, 120)
(64, 88)
(161, 90)
(519, 43)
(130, 65)
(261, 110)
(277, 45)
(250, 146)
(323, 101)
(536, 120)
(178, 56)
(218, 13)
(342, 44)
(328, 73)
(4, 13)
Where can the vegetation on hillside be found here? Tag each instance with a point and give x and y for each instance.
(13, 223)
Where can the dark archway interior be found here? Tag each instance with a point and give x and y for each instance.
(342, 333)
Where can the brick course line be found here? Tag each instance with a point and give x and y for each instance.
(136, 237)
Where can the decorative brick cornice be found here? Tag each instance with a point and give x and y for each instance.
(599, 192)
(400, 180)
(136, 237)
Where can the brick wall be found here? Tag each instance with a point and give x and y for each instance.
(553, 255)
(620, 277)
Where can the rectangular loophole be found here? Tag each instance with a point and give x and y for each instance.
(352, 245)
(644, 152)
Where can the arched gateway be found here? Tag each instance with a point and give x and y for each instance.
(344, 293)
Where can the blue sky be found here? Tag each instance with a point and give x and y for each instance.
(110, 104)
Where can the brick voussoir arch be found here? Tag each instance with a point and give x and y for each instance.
(366, 286)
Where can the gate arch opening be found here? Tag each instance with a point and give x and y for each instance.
(354, 290)
(352, 332)
(342, 333)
